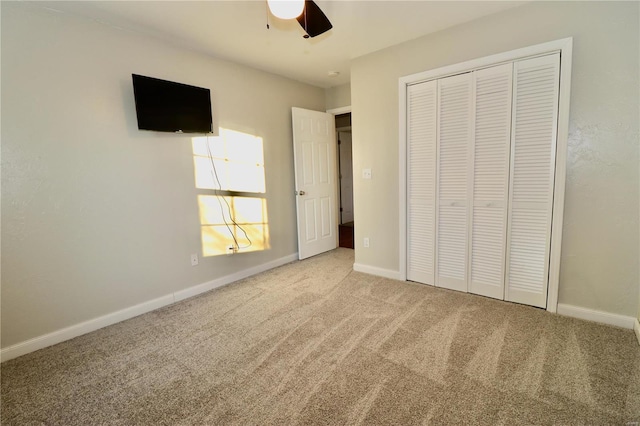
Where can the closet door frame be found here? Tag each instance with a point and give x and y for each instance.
(564, 47)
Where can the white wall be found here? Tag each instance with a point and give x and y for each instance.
(599, 265)
(338, 96)
(98, 216)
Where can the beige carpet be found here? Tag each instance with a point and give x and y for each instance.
(313, 342)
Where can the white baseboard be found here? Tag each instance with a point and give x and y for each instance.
(596, 316)
(636, 328)
(85, 327)
(373, 270)
(222, 281)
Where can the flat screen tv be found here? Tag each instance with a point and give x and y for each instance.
(166, 106)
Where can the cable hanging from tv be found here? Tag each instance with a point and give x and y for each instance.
(214, 174)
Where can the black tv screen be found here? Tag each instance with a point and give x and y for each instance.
(166, 106)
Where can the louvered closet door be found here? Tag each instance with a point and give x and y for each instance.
(492, 140)
(454, 141)
(421, 187)
(534, 128)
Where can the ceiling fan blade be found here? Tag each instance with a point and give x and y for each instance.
(313, 20)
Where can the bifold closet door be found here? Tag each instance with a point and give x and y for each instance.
(533, 134)
(421, 182)
(491, 143)
(454, 142)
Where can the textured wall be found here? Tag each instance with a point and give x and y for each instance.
(599, 265)
(98, 216)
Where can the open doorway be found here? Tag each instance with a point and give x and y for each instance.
(345, 180)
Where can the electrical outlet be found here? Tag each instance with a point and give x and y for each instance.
(365, 242)
(194, 259)
(366, 173)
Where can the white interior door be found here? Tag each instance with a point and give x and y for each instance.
(314, 149)
(421, 181)
(481, 161)
(533, 155)
(346, 177)
(491, 147)
(454, 148)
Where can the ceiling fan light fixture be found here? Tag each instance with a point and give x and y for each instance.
(286, 9)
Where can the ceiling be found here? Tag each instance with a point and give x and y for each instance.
(237, 30)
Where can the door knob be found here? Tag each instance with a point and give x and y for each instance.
(301, 193)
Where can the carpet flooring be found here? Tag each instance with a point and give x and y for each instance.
(313, 342)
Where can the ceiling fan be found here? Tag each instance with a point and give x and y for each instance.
(310, 17)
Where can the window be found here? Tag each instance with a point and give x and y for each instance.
(229, 169)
